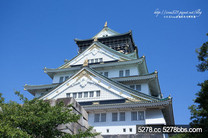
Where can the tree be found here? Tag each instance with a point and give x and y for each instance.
(203, 57)
(199, 112)
(36, 118)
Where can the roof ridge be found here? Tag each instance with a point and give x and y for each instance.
(76, 39)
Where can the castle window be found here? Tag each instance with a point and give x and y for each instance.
(107, 130)
(79, 95)
(121, 73)
(114, 116)
(68, 95)
(61, 79)
(138, 87)
(66, 77)
(130, 129)
(122, 116)
(106, 74)
(132, 86)
(96, 60)
(97, 93)
(97, 118)
(140, 115)
(92, 94)
(135, 116)
(124, 130)
(100, 59)
(74, 95)
(85, 94)
(100, 117)
(103, 117)
(127, 72)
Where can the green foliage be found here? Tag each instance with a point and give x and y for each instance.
(203, 57)
(36, 118)
(199, 111)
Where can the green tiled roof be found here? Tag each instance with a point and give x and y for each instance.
(161, 102)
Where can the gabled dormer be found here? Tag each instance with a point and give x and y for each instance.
(105, 32)
(97, 53)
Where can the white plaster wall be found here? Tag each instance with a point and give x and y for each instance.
(105, 94)
(154, 116)
(112, 72)
(145, 88)
(115, 127)
(56, 77)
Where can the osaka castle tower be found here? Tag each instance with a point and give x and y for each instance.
(112, 83)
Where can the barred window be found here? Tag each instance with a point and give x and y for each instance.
(79, 95)
(66, 77)
(97, 93)
(133, 116)
(103, 117)
(106, 74)
(137, 115)
(85, 94)
(138, 87)
(114, 116)
(74, 95)
(127, 72)
(61, 79)
(122, 116)
(96, 60)
(92, 94)
(68, 95)
(140, 115)
(132, 86)
(100, 59)
(121, 73)
(97, 118)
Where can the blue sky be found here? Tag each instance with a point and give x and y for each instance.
(38, 34)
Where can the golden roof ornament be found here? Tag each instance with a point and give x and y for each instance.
(106, 24)
(169, 97)
(95, 39)
(85, 63)
(155, 71)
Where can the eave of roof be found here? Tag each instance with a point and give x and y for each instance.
(35, 87)
(162, 102)
(51, 72)
(136, 77)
